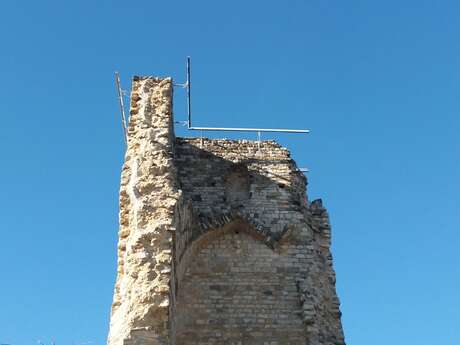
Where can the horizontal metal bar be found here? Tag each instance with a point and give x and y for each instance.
(273, 130)
(184, 86)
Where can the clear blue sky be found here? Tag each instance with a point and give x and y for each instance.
(377, 82)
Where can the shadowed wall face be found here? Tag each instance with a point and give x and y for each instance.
(253, 266)
(236, 289)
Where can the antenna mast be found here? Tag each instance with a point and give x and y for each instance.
(187, 86)
(122, 106)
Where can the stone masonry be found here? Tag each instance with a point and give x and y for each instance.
(218, 243)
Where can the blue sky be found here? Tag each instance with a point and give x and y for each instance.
(377, 82)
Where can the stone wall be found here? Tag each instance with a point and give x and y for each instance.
(148, 197)
(255, 180)
(218, 242)
(236, 290)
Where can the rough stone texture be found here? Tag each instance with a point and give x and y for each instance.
(148, 196)
(218, 243)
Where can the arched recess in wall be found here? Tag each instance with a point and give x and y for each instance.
(232, 287)
(237, 185)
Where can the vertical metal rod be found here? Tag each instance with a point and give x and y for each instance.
(122, 106)
(189, 101)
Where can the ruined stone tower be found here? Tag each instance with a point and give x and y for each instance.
(218, 243)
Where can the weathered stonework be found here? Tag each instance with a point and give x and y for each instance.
(218, 243)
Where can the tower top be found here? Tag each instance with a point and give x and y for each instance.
(218, 243)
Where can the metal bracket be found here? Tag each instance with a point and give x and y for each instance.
(187, 85)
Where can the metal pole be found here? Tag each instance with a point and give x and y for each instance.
(188, 85)
(122, 106)
(273, 130)
(189, 100)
